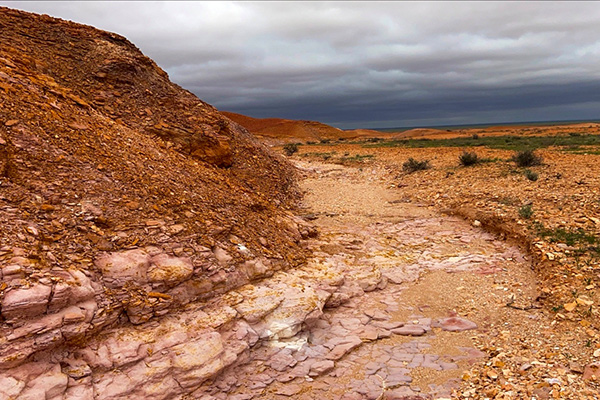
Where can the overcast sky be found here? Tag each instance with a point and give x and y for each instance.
(368, 64)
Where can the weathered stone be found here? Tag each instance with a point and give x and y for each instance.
(51, 384)
(344, 347)
(592, 371)
(222, 255)
(369, 279)
(389, 325)
(337, 299)
(320, 367)
(76, 369)
(369, 333)
(73, 314)
(351, 324)
(377, 315)
(289, 390)
(10, 387)
(299, 304)
(126, 266)
(257, 268)
(169, 270)
(397, 275)
(197, 360)
(21, 304)
(282, 361)
(409, 330)
(455, 324)
(258, 302)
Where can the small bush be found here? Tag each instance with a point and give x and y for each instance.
(413, 165)
(508, 201)
(526, 211)
(527, 158)
(290, 148)
(532, 176)
(475, 136)
(467, 159)
(570, 237)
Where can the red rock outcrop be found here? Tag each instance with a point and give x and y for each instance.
(123, 198)
(278, 131)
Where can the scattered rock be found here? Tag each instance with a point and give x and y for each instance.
(455, 324)
(289, 390)
(592, 371)
(409, 330)
(320, 367)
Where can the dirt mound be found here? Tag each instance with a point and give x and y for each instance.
(278, 131)
(122, 195)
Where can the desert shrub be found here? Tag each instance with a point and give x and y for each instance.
(413, 165)
(571, 237)
(527, 158)
(526, 211)
(532, 176)
(290, 148)
(467, 159)
(475, 136)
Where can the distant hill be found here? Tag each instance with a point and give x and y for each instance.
(280, 131)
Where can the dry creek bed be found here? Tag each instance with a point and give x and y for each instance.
(419, 291)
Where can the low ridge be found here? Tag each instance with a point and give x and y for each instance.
(278, 131)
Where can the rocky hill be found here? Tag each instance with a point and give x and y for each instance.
(280, 131)
(123, 198)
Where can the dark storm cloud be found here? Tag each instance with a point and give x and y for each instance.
(368, 64)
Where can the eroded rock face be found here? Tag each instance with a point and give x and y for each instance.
(126, 201)
(127, 266)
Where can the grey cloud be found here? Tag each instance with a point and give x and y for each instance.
(368, 63)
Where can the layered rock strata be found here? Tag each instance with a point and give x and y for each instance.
(124, 199)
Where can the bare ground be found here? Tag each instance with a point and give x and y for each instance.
(414, 267)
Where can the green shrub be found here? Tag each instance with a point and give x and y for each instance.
(532, 176)
(290, 148)
(467, 159)
(571, 237)
(526, 211)
(413, 165)
(527, 158)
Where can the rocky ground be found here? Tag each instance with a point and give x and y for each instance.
(491, 195)
(406, 294)
(152, 248)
